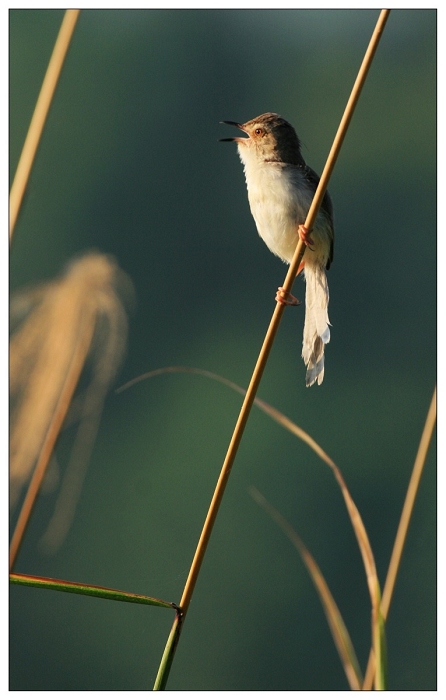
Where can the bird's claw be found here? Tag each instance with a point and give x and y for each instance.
(304, 236)
(286, 298)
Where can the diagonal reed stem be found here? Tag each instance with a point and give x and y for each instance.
(163, 672)
(39, 116)
(74, 371)
(403, 525)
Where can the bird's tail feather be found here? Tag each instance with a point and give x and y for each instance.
(316, 328)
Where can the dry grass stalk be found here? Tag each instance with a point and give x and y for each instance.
(77, 315)
(40, 113)
(403, 525)
(338, 629)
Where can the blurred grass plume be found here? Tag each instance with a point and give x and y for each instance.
(50, 322)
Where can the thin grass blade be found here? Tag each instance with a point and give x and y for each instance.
(335, 621)
(403, 525)
(87, 589)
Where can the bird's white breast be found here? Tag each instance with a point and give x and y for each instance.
(279, 197)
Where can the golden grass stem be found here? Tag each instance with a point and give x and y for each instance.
(348, 112)
(230, 456)
(66, 395)
(269, 340)
(406, 513)
(403, 525)
(39, 116)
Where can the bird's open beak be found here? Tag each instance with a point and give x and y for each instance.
(234, 138)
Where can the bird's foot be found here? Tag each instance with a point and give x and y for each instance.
(286, 298)
(304, 236)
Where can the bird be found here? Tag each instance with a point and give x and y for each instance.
(281, 187)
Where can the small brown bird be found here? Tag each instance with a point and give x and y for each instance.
(281, 187)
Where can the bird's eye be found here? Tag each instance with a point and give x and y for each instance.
(258, 132)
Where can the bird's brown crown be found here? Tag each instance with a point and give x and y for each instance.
(274, 138)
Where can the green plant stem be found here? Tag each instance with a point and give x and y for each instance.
(86, 589)
(169, 653)
(266, 348)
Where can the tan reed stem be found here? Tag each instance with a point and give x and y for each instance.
(275, 320)
(161, 679)
(66, 395)
(39, 117)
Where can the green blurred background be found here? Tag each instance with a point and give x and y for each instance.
(130, 164)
